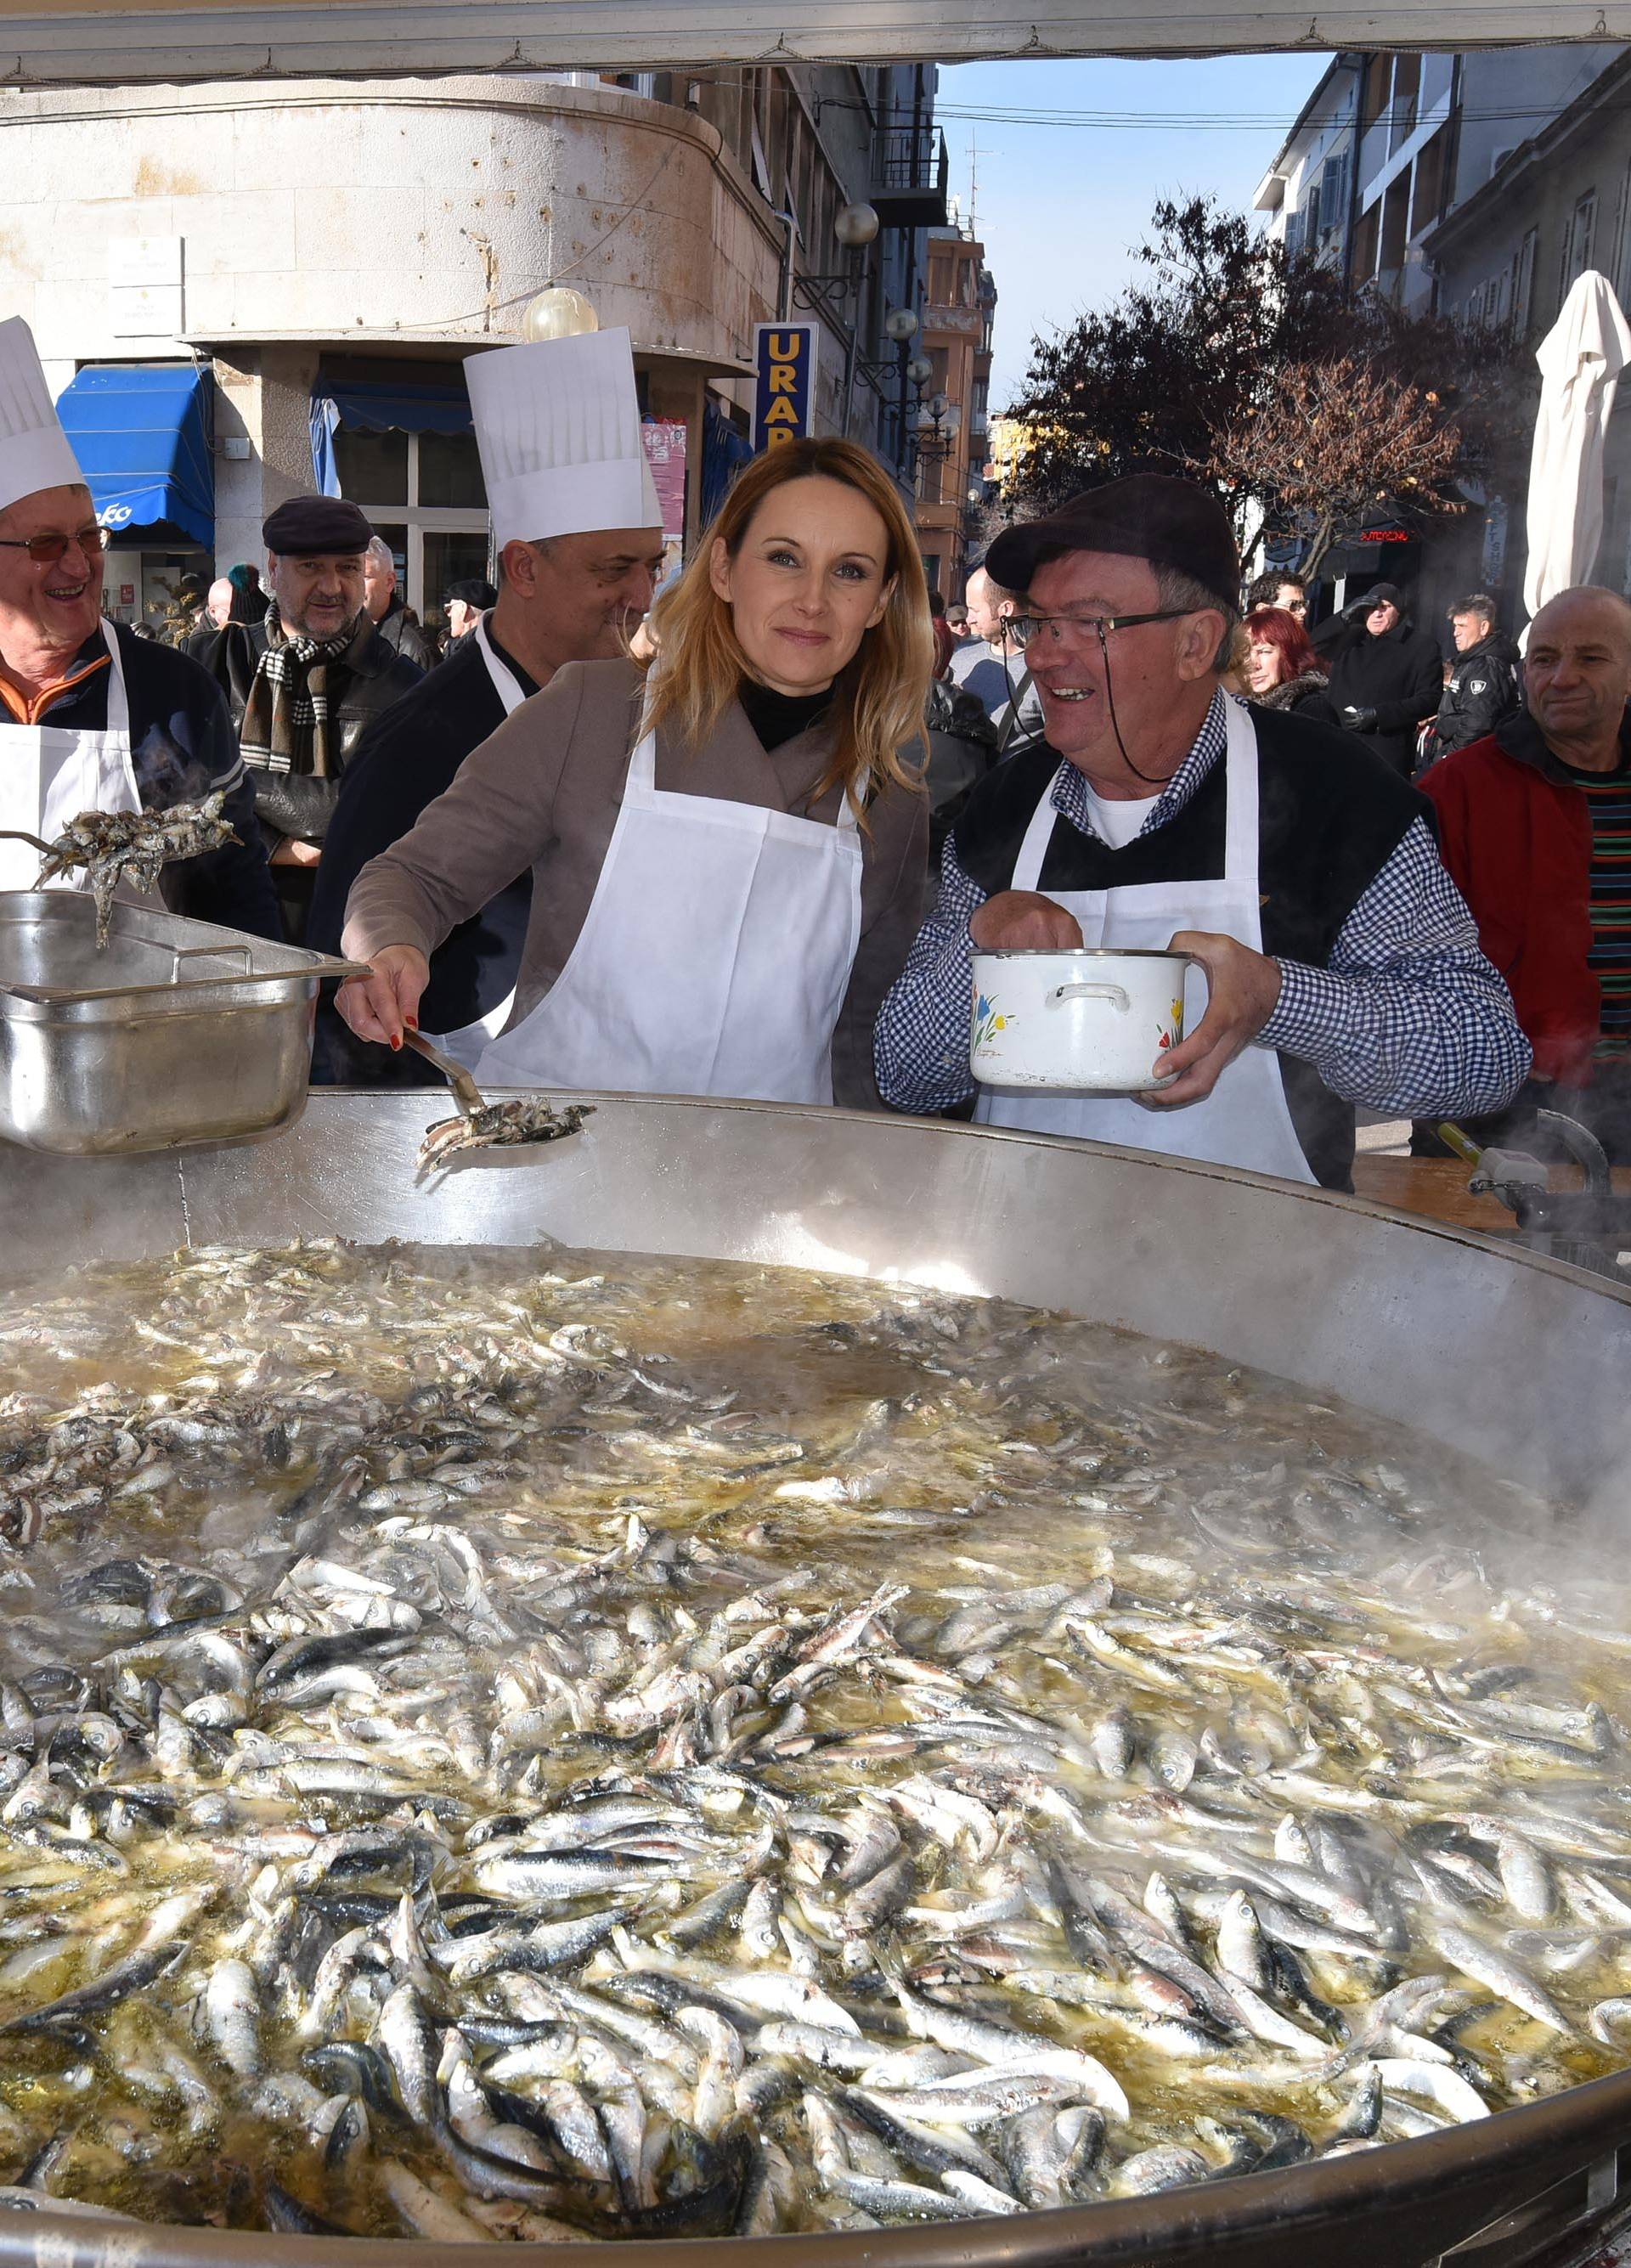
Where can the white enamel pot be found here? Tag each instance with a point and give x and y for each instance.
(1091, 1019)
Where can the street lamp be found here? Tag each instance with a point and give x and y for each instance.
(855, 225)
(901, 324)
(920, 370)
(558, 313)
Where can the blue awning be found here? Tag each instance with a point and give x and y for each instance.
(371, 406)
(142, 433)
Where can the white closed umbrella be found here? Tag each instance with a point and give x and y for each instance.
(1580, 358)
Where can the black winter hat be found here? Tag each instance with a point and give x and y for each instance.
(1154, 516)
(306, 525)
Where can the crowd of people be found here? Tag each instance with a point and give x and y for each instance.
(685, 846)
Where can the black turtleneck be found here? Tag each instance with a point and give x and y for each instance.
(777, 716)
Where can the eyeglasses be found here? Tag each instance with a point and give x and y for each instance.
(46, 550)
(1080, 629)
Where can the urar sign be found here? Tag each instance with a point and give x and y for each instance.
(784, 396)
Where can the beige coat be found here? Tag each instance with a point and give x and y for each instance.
(543, 791)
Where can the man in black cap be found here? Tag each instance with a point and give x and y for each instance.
(1341, 965)
(303, 683)
(468, 600)
(1387, 677)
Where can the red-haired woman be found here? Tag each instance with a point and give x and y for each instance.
(1282, 670)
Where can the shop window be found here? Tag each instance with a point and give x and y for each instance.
(373, 465)
(450, 470)
(434, 517)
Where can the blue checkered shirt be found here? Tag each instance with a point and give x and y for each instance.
(1408, 1017)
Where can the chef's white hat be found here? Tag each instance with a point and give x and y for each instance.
(557, 424)
(34, 451)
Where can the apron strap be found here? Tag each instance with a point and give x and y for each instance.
(1240, 834)
(505, 684)
(1038, 834)
(118, 699)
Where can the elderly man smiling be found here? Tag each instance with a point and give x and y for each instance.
(92, 717)
(1342, 964)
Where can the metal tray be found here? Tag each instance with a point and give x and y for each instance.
(176, 1033)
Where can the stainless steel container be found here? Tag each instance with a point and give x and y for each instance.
(176, 1032)
(1518, 1359)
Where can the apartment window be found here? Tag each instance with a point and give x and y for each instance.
(1579, 239)
(1333, 190)
(1407, 93)
(1379, 86)
(1523, 284)
(1365, 242)
(1428, 201)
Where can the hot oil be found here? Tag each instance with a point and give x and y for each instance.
(814, 1439)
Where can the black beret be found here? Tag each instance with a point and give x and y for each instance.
(1154, 516)
(1384, 594)
(473, 592)
(307, 524)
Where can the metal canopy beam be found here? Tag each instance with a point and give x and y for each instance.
(97, 43)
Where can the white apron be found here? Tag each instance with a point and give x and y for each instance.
(468, 1043)
(713, 961)
(1244, 1121)
(49, 774)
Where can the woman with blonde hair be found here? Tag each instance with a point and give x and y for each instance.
(728, 843)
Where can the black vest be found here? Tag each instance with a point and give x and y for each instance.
(1329, 817)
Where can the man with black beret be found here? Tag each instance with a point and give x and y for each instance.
(1341, 965)
(303, 683)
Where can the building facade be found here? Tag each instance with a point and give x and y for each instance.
(1542, 192)
(327, 252)
(1479, 187)
(953, 414)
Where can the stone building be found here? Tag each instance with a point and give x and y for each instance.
(326, 254)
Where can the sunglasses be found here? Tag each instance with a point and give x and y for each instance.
(46, 550)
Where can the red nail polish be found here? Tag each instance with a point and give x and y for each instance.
(412, 1022)
(396, 1039)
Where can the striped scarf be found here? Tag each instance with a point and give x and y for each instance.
(286, 717)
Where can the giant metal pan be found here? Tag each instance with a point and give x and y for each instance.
(1519, 1359)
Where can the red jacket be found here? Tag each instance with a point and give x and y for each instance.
(1516, 838)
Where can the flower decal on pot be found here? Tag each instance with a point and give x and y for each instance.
(1168, 1035)
(988, 1021)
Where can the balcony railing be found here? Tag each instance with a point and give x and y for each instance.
(911, 176)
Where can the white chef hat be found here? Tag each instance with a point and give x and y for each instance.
(34, 451)
(557, 424)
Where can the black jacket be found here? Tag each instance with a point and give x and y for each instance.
(403, 637)
(1400, 675)
(182, 747)
(402, 764)
(1484, 688)
(287, 803)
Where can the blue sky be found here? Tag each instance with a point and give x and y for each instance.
(1061, 207)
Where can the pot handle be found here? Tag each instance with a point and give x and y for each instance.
(1114, 993)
